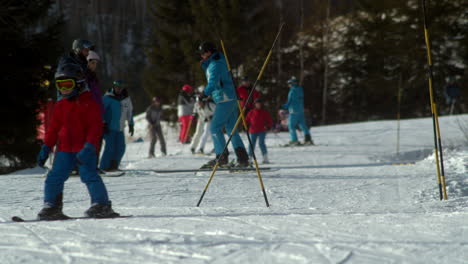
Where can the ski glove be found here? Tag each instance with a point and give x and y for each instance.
(87, 155)
(130, 130)
(43, 155)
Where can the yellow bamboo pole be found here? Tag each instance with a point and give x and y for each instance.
(238, 121)
(435, 121)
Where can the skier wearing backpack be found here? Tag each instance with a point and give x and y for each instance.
(118, 108)
(221, 89)
(295, 106)
(76, 129)
(259, 122)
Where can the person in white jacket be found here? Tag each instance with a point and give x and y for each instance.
(203, 110)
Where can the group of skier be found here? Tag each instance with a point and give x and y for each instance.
(82, 118)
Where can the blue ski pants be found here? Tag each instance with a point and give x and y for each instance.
(261, 142)
(293, 121)
(225, 116)
(114, 148)
(64, 163)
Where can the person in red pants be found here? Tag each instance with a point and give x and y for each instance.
(185, 104)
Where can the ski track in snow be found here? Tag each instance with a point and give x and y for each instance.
(337, 202)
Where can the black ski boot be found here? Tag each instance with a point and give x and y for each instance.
(242, 158)
(101, 211)
(222, 159)
(51, 212)
(308, 140)
(114, 166)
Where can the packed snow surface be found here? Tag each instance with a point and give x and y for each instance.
(349, 199)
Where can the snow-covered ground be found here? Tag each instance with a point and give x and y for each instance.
(337, 202)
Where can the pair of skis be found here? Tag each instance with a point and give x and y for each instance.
(19, 219)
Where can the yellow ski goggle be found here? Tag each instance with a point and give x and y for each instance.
(65, 85)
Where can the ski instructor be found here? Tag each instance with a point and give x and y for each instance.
(221, 89)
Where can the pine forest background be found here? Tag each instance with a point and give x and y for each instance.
(354, 58)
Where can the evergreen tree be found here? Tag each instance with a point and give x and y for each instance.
(169, 66)
(29, 43)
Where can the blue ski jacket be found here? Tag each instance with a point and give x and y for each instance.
(295, 104)
(220, 86)
(117, 110)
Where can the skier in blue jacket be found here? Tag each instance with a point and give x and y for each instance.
(295, 106)
(222, 91)
(118, 108)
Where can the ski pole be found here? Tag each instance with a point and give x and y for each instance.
(237, 124)
(259, 176)
(433, 110)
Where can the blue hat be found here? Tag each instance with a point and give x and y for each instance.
(293, 80)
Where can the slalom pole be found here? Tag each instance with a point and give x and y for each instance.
(431, 95)
(398, 114)
(237, 124)
(442, 177)
(241, 113)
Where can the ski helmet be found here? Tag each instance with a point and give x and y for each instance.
(80, 44)
(69, 70)
(207, 47)
(187, 88)
(93, 56)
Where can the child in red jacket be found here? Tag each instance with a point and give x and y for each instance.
(76, 129)
(259, 122)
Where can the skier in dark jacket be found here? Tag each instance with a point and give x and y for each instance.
(78, 55)
(221, 89)
(76, 130)
(154, 116)
(452, 92)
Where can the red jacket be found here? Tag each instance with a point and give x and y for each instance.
(74, 123)
(259, 120)
(243, 93)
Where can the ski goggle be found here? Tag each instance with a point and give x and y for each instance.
(66, 84)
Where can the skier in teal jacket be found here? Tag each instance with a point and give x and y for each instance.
(295, 106)
(221, 89)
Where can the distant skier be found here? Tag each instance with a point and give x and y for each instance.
(243, 91)
(185, 104)
(154, 117)
(76, 130)
(222, 91)
(452, 92)
(259, 122)
(203, 110)
(92, 79)
(118, 108)
(295, 105)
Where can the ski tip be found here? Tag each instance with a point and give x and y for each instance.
(17, 219)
